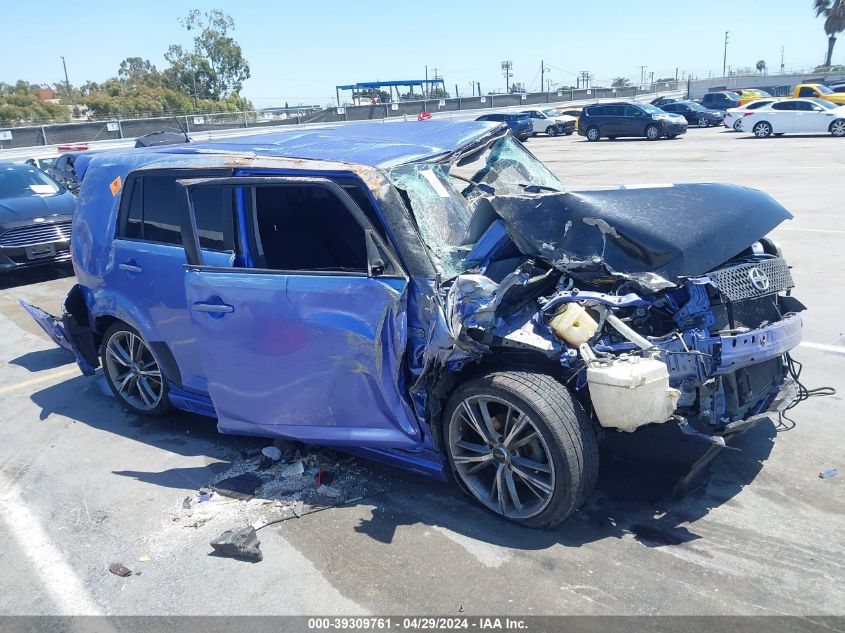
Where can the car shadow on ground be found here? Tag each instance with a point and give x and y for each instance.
(633, 494)
(35, 275)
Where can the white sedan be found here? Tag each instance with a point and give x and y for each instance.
(734, 116)
(799, 116)
(551, 122)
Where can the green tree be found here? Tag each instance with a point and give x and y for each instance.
(761, 66)
(621, 82)
(217, 59)
(135, 71)
(834, 22)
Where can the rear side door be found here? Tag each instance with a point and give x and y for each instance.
(149, 259)
(305, 339)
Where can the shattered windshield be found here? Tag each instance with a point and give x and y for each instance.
(443, 196)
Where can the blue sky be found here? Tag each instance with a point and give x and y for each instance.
(299, 51)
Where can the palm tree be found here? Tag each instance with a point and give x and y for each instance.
(761, 65)
(834, 21)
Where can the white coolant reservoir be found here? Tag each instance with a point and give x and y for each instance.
(628, 392)
(573, 324)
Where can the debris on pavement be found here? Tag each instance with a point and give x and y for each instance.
(186, 504)
(329, 491)
(144, 559)
(326, 477)
(119, 569)
(826, 474)
(238, 543)
(204, 495)
(241, 487)
(293, 470)
(269, 456)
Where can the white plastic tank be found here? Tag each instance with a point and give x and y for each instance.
(573, 324)
(628, 392)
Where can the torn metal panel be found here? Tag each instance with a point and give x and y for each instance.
(655, 236)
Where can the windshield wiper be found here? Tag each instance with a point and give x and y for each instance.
(538, 188)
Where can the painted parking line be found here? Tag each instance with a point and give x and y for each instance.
(56, 576)
(833, 349)
(48, 377)
(792, 228)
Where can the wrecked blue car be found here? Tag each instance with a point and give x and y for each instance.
(430, 296)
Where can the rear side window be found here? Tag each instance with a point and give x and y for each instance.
(784, 105)
(156, 204)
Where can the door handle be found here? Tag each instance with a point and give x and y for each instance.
(130, 267)
(214, 308)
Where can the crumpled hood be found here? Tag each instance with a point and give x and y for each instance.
(655, 235)
(14, 210)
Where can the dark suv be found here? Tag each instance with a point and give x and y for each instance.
(519, 123)
(629, 119)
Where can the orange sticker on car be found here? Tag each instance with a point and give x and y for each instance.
(115, 186)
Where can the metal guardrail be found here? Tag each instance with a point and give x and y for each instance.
(116, 129)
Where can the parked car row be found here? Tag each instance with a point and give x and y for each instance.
(523, 125)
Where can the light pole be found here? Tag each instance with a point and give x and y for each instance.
(507, 66)
(725, 56)
(67, 83)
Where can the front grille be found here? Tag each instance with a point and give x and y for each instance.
(735, 282)
(36, 234)
(753, 313)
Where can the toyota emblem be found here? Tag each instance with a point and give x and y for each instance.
(759, 279)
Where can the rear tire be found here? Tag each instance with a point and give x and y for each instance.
(652, 133)
(522, 446)
(593, 134)
(132, 372)
(837, 128)
(551, 130)
(762, 129)
(737, 126)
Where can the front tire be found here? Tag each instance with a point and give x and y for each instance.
(763, 129)
(522, 446)
(133, 373)
(837, 128)
(593, 134)
(703, 122)
(652, 133)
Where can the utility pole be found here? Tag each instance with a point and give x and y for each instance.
(725, 56)
(507, 66)
(542, 73)
(67, 83)
(676, 74)
(781, 60)
(642, 76)
(425, 88)
(651, 81)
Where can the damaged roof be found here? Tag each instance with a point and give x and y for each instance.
(371, 144)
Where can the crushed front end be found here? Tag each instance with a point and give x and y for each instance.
(722, 339)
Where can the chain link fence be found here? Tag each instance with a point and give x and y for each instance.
(90, 131)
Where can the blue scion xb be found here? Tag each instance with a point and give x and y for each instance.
(428, 295)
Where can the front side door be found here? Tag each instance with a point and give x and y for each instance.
(306, 339)
(782, 116)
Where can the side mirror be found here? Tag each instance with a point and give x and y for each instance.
(376, 266)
